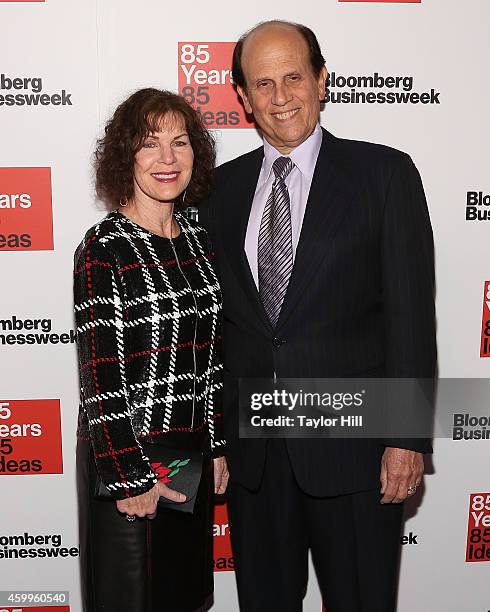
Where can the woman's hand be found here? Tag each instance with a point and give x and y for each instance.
(141, 505)
(146, 503)
(221, 475)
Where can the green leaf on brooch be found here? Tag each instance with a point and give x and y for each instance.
(174, 463)
(173, 472)
(184, 462)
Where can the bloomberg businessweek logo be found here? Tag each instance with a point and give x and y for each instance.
(29, 91)
(376, 88)
(19, 331)
(477, 206)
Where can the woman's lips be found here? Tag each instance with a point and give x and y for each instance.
(165, 177)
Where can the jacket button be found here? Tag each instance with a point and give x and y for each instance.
(277, 342)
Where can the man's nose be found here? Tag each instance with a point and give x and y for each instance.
(281, 95)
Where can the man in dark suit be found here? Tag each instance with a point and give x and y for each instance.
(325, 255)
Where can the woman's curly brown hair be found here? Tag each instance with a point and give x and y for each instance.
(133, 120)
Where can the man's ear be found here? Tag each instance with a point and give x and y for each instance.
(322, 78)
(243, 95)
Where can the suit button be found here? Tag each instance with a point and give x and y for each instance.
(277, 342)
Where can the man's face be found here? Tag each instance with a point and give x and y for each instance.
(282, 92)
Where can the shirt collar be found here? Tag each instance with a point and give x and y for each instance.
(304, 156)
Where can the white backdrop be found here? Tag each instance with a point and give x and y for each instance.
(98, 51)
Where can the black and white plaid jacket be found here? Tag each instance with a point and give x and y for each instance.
(148, 313)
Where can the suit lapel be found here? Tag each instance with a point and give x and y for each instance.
(329, 199)
(236, 214)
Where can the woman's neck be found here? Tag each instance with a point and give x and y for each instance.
(155, 217)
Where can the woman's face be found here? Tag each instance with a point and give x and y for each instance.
(163, 165)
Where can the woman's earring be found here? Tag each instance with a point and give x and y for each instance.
(183, 196)
(123, 202)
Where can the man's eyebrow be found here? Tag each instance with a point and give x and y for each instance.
(266, 78)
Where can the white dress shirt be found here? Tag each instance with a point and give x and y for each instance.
(298, 183)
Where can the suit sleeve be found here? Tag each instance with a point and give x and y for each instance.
(408, 290)
(206, 216)
(215, 406)
(99, 322)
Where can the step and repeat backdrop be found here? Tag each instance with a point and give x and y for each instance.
(411, 74)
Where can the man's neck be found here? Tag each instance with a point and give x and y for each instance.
(287, 149)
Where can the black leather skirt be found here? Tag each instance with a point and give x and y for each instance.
(159, 565)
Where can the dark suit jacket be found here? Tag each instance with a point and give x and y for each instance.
(359, 301)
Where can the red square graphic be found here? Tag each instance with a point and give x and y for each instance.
(30, 437)
(26, 214)
(478, 539)
(392, 1)
(485, 323)
(223, 555)
(205, 81)
(36, 608)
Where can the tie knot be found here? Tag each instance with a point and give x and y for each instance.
(282, 167)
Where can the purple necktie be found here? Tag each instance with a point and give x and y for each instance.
(275, 245)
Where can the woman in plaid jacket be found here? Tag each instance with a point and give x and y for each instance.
(147, 308)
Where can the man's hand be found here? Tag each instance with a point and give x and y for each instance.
(401, 474)
(220, 475)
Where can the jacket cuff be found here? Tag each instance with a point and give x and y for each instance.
(218, 449)
(419, 445)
